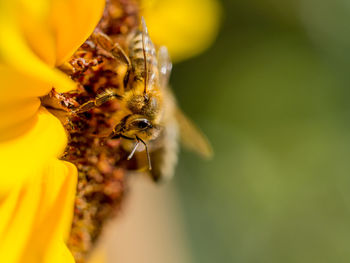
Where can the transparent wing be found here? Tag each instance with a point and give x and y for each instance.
(164, 158)
(149, 53)
(191, 137)
(164, 66)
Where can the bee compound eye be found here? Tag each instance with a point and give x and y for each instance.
(141, 124)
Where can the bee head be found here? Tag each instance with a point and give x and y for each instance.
(133, 126)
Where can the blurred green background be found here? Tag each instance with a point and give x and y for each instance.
(272, 95)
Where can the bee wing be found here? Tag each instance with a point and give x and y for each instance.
(191, 137)
(164, 158)
(164, 66)
(149, 53)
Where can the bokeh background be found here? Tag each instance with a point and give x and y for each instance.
(272, 94)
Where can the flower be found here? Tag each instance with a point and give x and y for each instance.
(37, 190)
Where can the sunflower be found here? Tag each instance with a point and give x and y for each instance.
(38, 188)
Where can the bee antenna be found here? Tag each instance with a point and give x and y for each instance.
(147, 152)
(144, 31)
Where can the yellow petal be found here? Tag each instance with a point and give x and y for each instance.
(35, 216)
(74, 21)
(61, 26)
(18, 56)
(36, 189)
(24, 156)
(33, 19)
(186, 27)
(36, 35)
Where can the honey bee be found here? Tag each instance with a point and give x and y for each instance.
(149, 119)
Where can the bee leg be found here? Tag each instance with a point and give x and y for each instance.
(102, 98)
(116, 51)
(121, 56)
(113, 48)
(84, 107)
(147, 152)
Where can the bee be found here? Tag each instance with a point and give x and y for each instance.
(149, 119)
